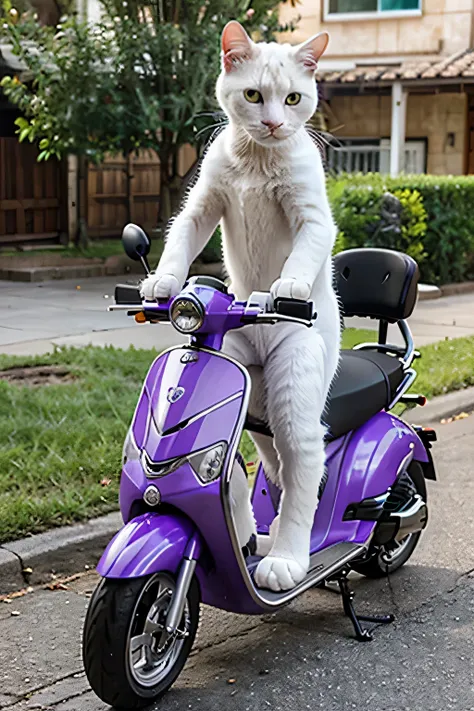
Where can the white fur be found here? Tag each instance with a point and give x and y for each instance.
(268, 192)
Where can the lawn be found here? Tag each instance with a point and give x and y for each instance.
(60, 444)
(96, 249)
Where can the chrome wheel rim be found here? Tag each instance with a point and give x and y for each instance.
(151, 650)
(395, 550)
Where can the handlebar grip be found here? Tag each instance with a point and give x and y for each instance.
(128, 294)
(295, 308)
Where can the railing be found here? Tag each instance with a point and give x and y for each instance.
(357, 159)
(373, 159)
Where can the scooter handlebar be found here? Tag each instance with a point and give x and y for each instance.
(260, 307)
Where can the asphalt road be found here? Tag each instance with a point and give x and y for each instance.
(302, 657)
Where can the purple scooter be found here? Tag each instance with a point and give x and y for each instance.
(182, 543)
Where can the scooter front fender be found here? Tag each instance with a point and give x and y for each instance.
(147, 544)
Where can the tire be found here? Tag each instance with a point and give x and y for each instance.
(117, 611)
(383, 560)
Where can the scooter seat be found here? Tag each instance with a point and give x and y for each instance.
(365, 383)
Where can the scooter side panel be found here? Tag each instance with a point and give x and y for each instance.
(368, 466)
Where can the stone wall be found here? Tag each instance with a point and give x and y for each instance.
(430, 116)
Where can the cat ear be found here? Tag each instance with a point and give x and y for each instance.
(236, 45)
(309, 52)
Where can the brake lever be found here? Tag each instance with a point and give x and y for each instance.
(276, 318)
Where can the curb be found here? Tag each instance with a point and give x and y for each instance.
(426, 292)
(113, 266)
(444, 406)
(62, 551)
(65, 551)
(465, 287)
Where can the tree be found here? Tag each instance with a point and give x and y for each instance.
(136, 79)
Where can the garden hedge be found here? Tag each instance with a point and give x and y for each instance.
(437, 219)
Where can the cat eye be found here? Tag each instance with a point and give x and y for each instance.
(293, 99)
(253, 96)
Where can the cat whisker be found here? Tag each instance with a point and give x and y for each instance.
(210, 128)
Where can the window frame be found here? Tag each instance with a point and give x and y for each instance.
(371, 15)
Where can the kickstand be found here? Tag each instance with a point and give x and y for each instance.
(362, 634)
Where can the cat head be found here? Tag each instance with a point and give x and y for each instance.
(268, 89)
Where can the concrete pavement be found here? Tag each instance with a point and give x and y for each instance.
(36, 317)
(302, 657)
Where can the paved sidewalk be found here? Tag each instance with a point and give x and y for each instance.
(36, 317)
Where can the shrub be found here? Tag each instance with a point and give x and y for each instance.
(437, 219)
(357, 214)
(437, 227)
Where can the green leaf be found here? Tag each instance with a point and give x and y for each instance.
(21, 122)
(44, 143)
(42, 156)
(24, 133)
(5, 82)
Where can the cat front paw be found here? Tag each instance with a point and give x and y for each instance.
(159, 286)
(277, 574)
(290, 289)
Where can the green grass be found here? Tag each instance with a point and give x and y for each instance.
(97, 249)
(58, 442)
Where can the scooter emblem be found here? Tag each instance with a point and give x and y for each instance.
(175, 394)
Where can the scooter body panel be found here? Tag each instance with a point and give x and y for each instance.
(204, 415)
(147, 544)
(364, 463)
(193, 399)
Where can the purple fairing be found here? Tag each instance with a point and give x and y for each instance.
(220, 381)
(150, 537)
(361, 464)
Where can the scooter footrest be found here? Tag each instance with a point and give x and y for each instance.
(323, 563)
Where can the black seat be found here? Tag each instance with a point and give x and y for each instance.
(365, 384)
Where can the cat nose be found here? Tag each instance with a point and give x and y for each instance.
(272, 125)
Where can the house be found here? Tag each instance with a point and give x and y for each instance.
(397, 82)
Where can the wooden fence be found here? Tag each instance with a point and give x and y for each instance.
(33, 196)
(112, 198)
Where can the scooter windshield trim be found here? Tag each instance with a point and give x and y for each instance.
(203, 413)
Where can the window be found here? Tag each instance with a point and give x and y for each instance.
(347, 9)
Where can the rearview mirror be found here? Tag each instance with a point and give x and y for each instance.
(136, 244)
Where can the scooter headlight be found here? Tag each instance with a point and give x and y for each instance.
(208, 463)
(187, 314)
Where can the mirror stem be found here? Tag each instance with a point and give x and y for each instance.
(145, 264)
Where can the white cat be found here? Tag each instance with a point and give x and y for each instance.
(263, 180)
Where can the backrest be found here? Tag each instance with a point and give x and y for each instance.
(379, 283)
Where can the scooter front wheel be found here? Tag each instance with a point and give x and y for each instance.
(129, 657)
